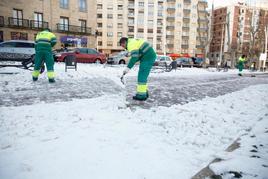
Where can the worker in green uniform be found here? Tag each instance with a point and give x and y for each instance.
(241, 62)
(143, 52)
(45, 40)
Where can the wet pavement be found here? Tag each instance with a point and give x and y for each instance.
(164, 91)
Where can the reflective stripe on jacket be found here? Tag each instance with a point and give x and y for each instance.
(46, 37)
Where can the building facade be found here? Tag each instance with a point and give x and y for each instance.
(236, 30)
(72, 21)
(171, 26)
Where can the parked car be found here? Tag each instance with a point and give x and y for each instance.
(120, 58)
(84, 55)
(17, 53)
(162, 60)
(57, 52)
(184, 62)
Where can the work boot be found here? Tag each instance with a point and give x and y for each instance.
(140, 97)
(52, 80)
(35, 78)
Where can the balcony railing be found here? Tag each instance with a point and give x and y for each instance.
(202, 29)
(187, 1)
(184, 46)
(38, 24)
(18, 23)
(170, 18)
(73, 29)
(171, 8)
(170, 36)
(186, 18)
(187, 11)
(171, 0)
(170, 27)
(2, 21)
(202, 19)
(200, 46)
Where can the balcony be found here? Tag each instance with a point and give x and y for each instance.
(171, 18)
(187, 11)
(202, 29)
(200, 46)
(171, 8)
(187, 1)
(2, 21)
(170, 27)
(185, 37)
(186, 19)
(18, 23)
(38, 24)
(73, 29)
(202, 11)
(130, 15)
(130, 23)
(131, 6)
(185, 46)
(203, 2)
(170, 45)
(171, 0)
(170, 36)
(185, 28)
(205, 20)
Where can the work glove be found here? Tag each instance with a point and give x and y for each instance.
(126, 70)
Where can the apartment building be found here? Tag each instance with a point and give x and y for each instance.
(237, 29)
(171, 26)
(72, 21)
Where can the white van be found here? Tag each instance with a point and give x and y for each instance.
(17, 52)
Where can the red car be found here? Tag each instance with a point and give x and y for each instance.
(85, 55)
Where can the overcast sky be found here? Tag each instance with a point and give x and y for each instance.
(217, 3)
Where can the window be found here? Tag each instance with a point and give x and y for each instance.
(150, 30)
(120, 7)
(109, 43)
(140, 30)
(83, 5)
(24, 45)
(99, 6)
(119, 25)
(150, 4)
(109, 25)
(100, 43)
(99, 16)
(141, 4)
(109, 16)
(17, 17)
(92, 51)
(99, 24)
(109, 34)
(9, 44)
(119, 34)
(179, 5)
(38, 19)
(64, 23)
(83, 50)
(120, 16)
(64, 4)
(150, 13)
(19, 36)
(83, 25)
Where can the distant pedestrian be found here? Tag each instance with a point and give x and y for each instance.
(225, 67)
(241, 63)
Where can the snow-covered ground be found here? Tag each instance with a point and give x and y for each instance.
(82, 128)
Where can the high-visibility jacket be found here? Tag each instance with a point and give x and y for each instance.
(137, 48)
(45, 39)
